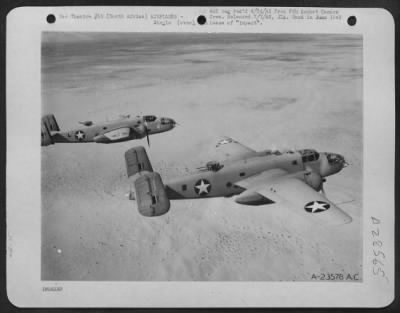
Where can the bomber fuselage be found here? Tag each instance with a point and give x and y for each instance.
(115, 131)
(220, 180)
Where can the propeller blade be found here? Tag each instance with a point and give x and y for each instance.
(147, 135)
(147, 132)
(322, 187)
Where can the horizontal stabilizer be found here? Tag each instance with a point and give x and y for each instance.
(137, 161)
(150, 195)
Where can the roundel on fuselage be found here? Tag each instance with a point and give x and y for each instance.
(80, 135)
(202, 187)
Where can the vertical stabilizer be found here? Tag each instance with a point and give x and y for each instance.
(150, 192)
(49, 124)
(137, 161)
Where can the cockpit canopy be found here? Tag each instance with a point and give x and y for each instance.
(309, 155)
(149, 118)
(214, 166)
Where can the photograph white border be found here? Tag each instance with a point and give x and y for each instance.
(23, 87)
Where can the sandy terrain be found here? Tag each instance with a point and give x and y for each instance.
(285, 91)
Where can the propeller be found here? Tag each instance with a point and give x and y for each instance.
(147, 133)
(142, 129)
(322, 187)
(323, 190)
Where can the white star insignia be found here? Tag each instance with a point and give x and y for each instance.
(317, 206)
(80, 135)
(203, 187)
(224, 142)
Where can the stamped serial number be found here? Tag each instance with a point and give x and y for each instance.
(52, 289)
(335, 277)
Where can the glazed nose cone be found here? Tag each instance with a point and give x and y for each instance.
(336, 161)
(331, 163)
(170, 121)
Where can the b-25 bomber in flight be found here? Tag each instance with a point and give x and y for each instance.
(293, 178)
(123, 129)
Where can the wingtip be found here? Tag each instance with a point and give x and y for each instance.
(348, 219)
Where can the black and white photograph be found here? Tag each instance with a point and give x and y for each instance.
(200, 157)
(254, 172)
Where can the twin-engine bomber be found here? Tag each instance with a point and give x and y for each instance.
(123, 129)
(292, 178)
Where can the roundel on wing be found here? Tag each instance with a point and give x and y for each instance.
(316, 206)
(202, 187)
(224, 141)
(80, 135)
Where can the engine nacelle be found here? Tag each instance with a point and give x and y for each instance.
(115, 135)
(313, 179)
(250, 197)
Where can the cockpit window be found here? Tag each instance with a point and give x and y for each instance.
(214, 166)
(149, 118)
(309, 155)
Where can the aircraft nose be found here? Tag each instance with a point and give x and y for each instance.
(169, 121)
(336, 159)
(331, 163)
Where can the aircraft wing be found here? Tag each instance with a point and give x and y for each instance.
(293, 192)
(114, 133)
(117, 133)
(231, 150)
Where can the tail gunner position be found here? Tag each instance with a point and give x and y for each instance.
(293, 178)
(123, 129)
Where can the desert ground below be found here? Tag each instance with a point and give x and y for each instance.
(265, 91)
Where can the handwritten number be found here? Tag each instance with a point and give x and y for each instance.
(379, 253)
(376, 261)
(375, 220)
(379, 271)
(375, 233)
